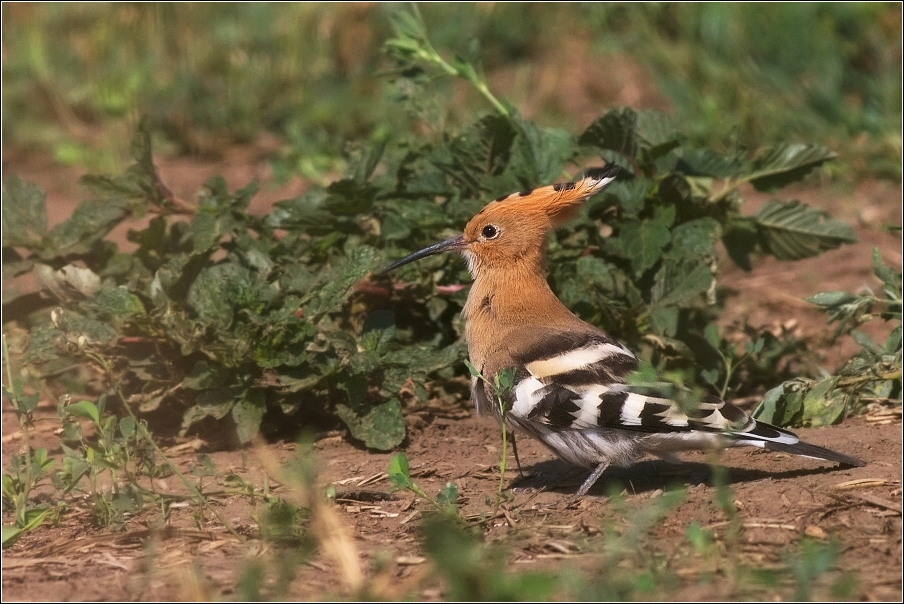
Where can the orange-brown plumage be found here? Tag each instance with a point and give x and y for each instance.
(570, 389)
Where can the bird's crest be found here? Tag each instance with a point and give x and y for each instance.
(557, 203)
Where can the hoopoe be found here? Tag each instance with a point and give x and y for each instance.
(569, 388)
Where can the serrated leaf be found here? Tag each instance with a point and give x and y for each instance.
(483, 149)
(656, 133)
(360, 261)
(89, 223)
(783, 164)
(790, 230)
(539, 154)
(708, 162)
(616, 130)
(630, 195)
(379, 426)
(209, 227)
(643, 241)
(24, 215)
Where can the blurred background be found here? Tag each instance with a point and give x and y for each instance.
(296, 81)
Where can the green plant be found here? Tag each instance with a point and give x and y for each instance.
(400, 477)
(872, 375)
(226, 316)
(25, 474)
(757, 74)
(502, 386)
(473, 571)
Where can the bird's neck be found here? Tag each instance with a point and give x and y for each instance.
(502, 302)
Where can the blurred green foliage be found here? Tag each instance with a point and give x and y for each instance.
(213, 74)
(829, 72)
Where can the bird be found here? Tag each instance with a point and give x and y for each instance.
(569, 381)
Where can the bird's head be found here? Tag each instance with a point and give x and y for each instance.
(513, 228)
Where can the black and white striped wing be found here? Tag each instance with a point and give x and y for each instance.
(578, 384)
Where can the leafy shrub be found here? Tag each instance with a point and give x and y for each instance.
(223, 314)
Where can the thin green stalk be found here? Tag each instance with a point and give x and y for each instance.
(504, 456)
(147, 436)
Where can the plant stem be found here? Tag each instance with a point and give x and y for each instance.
(147, 436)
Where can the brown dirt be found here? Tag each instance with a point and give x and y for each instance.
(779, 498)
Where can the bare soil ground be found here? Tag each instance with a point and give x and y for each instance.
(779, 498)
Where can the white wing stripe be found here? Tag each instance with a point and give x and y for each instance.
(575, 359)
(527, 395)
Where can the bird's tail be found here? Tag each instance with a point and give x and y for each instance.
(771, 438)
(816, 452)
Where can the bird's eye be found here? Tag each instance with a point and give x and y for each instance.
(490, 232)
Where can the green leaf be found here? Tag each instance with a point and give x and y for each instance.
(84, 409)
(24, 215)
(824, 404)
(616, 130)
(448, 495)
(695, 239)
(33, 519)
(399, 472)
(707, 162)
(643, 242)
(247, 413)
(678, 283)
(889, 277)
(215, 403)
(472, 369)
(829, 299)
(539, 154)
(206, 374)
(482, 150)
(378, 426)
(209, 228)
(790, 230)
(119, 303)
(89, 223)
(213, 294)
(741, 239)
(630, 195)
(11, 534)
(781, 165)
(355, 386)
(784, 404)
(127, 427)
(656, 133)
(358, 262)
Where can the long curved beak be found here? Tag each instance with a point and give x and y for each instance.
(456, 243)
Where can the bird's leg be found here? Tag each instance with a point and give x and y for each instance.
(517, 461)
(594, 476)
